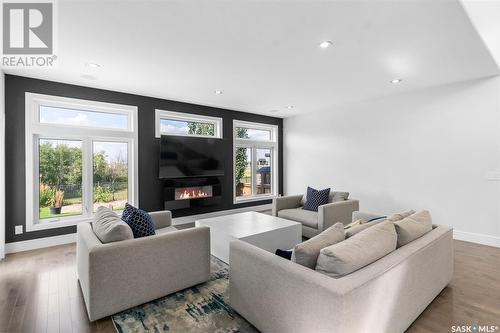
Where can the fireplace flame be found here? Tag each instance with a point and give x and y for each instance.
(191, 194)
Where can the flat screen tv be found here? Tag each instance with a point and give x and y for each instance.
(182, 156)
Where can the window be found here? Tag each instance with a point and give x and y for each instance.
(255, 161)
(79, 156)
(175, 123)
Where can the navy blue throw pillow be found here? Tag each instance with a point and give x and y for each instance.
(284, 254)
(375, 219)
(315, 198)
(127, 211)
(139, 221)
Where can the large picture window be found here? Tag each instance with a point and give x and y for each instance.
(79, 156)
(255, 161)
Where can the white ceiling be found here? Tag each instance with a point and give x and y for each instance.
(264, 55)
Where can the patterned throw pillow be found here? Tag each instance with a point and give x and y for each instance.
(127, 211)
(316, 198)
(139, 221)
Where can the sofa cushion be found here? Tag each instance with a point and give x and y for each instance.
(413, 227)
(358, 228)
(165, 230)
(338, 196)
(358, 251)
(316, 198)
(306, 217)
(108, 227)
(306, 253)
(140, 222)
(400, 216)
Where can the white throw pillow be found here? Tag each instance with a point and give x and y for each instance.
(413, 227)
(108, 226)
(358, 251)
(306, 253)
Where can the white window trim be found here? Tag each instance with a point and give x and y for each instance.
(35, 130)
(164, 114)
(272, 144)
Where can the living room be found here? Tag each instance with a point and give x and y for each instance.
(247, 166)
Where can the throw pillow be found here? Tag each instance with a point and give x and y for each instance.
(127, 210)
(358, 228)
(287, 254)
(358, 251)
(400, 216)
(353, 224)
(109, 228)
(140, 222)
(413, 227)
(306, 253)
(316, 198)
(338, 196)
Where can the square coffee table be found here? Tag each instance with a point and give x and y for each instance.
(264, 231)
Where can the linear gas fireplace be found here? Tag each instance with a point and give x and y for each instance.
(191, 192)
(196, 192)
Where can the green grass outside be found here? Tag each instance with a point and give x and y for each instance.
(45, 213)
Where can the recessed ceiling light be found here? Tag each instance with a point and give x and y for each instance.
(396, 81)
(92, 65)
(325, 44)
(289, 107)
(218, 92)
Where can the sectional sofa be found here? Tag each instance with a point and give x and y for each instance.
(277, 295)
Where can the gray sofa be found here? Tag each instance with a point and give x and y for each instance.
(313, 223)
(277, 295)
(117, 276)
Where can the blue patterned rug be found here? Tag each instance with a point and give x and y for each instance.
(202, 308)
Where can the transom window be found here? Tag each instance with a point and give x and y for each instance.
(255, 161)
(184, 124)
(79, 156)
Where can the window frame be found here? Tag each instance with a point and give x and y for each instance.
(188, 117)
(36, 130)
(272, 144)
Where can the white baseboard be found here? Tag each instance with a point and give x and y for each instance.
(476, 238)
(39, 243)
(192, 218)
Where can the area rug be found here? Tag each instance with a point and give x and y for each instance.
(202, 308)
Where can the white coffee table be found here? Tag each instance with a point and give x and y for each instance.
(264, 231)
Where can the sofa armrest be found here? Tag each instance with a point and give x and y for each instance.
(339, 211)
(265, 288)
(127, 273)
(86, 242)
(161, 219)
(286, 202)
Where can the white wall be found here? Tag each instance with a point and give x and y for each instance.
(2, 166)
(433, 149)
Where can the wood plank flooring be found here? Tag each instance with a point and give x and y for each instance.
(39, 293)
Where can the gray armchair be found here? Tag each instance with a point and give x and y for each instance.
(119, 275)
(313, 223)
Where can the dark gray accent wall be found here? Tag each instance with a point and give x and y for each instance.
(150, 186)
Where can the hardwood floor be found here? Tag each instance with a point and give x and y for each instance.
(39, 293)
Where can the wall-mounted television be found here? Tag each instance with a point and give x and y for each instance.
(183, 156)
